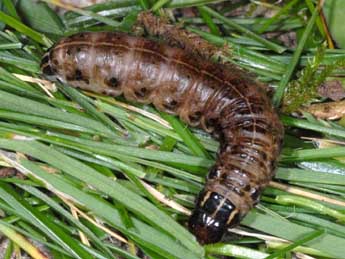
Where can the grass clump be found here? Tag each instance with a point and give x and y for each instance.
(304, 89)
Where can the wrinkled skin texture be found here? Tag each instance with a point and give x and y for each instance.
(222, 101)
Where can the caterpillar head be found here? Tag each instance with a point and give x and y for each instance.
(213, 215)
(48, 69)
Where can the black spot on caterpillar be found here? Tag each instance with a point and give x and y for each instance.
(222, 101)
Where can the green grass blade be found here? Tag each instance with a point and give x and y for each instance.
(187, 136)
(329, 244)
(304, 124)
(159, 4)
(17, 25)
(11, 8)
(209, 22)
(245, 31)
(56, 206)
(142, 233)
(95, 16)
(310, 154)
(14, 103)
(40, 17)
(132, 201)
(310, 176)
(32, 215)
(83, 101)
(314, 205)
(295, 244)
(20, 241)
(234, 251)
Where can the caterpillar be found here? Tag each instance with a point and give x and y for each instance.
(223, 101)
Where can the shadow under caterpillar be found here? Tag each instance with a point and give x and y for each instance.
(220, 100)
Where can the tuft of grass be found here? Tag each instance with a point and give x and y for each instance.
(304, 89)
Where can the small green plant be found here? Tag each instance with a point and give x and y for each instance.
(304, 89)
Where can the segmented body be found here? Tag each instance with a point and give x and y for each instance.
(223, 102)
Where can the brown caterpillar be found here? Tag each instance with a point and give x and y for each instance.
(223, 102)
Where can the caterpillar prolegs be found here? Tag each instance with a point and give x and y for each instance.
(204, 94)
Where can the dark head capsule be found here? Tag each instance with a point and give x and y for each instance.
(213, 215)
(205, 228)
(46, 66)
